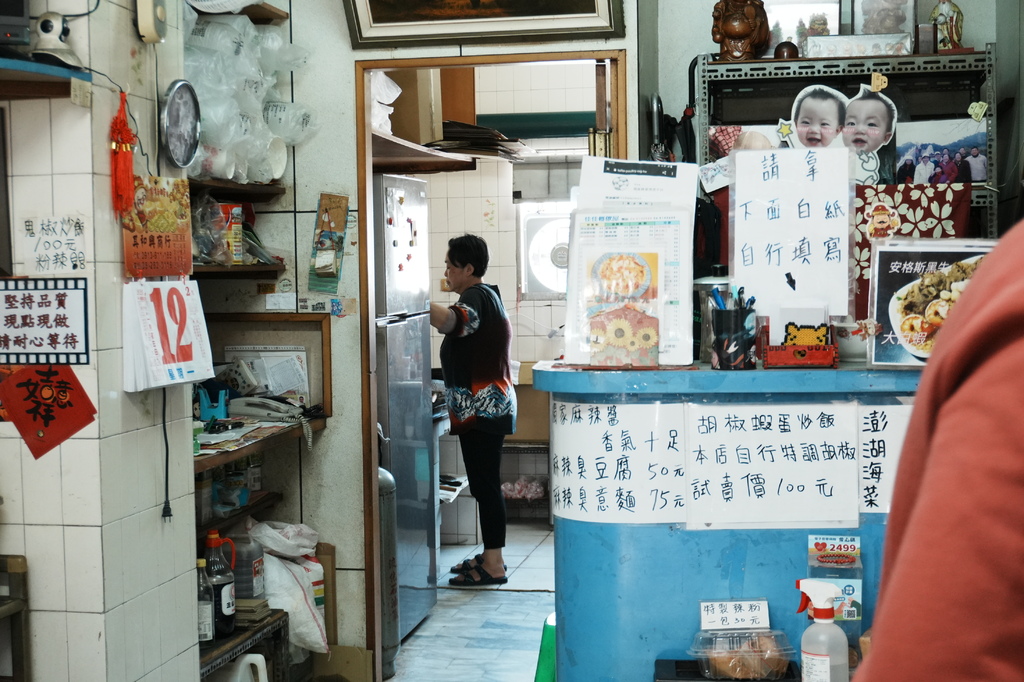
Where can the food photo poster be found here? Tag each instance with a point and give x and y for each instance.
(915, 284)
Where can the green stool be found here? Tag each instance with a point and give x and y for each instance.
(546, 671)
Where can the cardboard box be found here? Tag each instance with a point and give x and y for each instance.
(325, 554)
(343, 664)
(233, 220)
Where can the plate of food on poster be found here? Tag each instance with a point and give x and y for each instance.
(914, 288)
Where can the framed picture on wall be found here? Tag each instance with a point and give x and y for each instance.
(795, 20)
(398, 23)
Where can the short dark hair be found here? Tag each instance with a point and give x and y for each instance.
(869, 96)
(469, 249)
(823, 94)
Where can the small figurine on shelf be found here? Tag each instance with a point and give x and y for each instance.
(740, 27)
(950, 22)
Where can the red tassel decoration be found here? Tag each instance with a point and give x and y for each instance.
(122, 160)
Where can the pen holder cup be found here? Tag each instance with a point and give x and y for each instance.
(735, 336)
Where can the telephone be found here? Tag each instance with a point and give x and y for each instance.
(264, 408)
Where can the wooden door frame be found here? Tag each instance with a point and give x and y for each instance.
(616, 87)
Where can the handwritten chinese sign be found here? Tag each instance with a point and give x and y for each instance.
(768, 465)
(734, 614)
(618, 463)
(882, 431)
(43, 321)
(52, 245)
(791, 229)
(47, 405)
(157, 232)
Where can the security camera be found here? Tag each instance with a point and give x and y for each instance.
(52, 29)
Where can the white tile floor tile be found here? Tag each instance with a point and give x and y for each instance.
(487, 633)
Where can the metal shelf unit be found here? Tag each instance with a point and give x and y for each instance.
(923, 87)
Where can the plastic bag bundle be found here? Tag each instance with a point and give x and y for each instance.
(209, 234)
(233, 65)
(383, 92)
(525, 488)
(276, 53)
(221, 5)
(291, 121)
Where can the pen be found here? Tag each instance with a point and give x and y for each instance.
(750, 301)
(717, 298)
(739, 298)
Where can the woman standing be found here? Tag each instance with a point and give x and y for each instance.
(476, 365)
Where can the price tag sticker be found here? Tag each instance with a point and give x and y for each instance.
(734, 614)
(844, 544)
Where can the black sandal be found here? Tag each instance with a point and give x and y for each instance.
(467, 579)
(466, 566)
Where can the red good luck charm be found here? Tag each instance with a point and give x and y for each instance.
(47, 404)
(122, 159)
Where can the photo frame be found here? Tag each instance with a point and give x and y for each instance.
(394, 23)
(796, 20)
(884, 16)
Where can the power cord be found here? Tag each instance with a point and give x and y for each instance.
(166, 513)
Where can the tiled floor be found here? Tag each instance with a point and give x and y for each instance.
(487, 633)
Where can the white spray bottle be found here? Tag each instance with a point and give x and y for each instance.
(824, 650)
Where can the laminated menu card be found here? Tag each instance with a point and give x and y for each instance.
(915, 284)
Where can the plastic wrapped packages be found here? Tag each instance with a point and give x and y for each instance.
(276, 52)
(221, 5)
(224, 38)
(383, 91)
(293, 122)
(209, 233)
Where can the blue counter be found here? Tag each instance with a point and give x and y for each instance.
(628, 594)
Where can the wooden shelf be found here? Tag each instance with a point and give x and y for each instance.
(226, 190)
(258, 501)
(256, 271)
(394, 155)
(261, 13)
(203, 462)
(27, 79)
(223, 651)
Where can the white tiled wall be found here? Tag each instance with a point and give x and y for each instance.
(111, 582)
(533, 88)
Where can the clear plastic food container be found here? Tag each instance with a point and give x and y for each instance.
(742, 654)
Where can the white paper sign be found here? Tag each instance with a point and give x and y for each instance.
(882, 431)
(44, 321)
(771, 465)
(52, 245)
(734, 614)
(627, 185)
(790, 229)
(618, 463)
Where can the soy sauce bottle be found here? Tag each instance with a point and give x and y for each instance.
(218, 570)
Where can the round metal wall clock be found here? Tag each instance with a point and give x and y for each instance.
(179, 124)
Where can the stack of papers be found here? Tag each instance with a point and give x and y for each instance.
(249, 612)
(474, 140)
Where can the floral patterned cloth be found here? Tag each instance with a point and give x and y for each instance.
(903, 211)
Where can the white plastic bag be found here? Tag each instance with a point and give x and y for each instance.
(286, 539)
(291, 586)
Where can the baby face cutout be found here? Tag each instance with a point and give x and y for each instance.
(868, 125)
(818, 121)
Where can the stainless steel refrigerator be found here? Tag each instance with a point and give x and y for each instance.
(402, 277)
